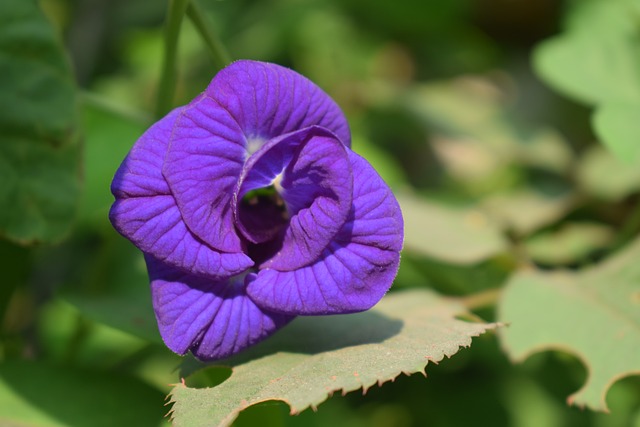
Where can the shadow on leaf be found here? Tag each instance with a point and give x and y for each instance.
(313, 335)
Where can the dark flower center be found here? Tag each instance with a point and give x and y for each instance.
(264, 215)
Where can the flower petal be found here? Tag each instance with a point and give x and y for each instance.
(246, 104)
(316, 186)
(146, 213)
(269, 100)
(140, 174)
(203, 162)
(355, 270)
(212, 319)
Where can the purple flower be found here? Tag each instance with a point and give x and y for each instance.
(251, 208)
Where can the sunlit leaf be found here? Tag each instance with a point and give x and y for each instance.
(605, 176)
(590, 68)
(594, 16)
(526, 211)
(596, 61)
(42, 395)
(39, 152)
(455, 235)
(618, 127)
(593, 313)
(316, 356)
(571, 243)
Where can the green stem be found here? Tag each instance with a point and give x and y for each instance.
(199, 19)
(168, 78)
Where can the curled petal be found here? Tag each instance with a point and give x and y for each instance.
(259, 223)
(212, 319)
(146, 213)
(355, 270)
(316, 186)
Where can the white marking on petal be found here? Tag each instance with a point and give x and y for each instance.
(254, 144)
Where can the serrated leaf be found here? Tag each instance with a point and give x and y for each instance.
(39, 153)
(618, 127)
(446, 233)
(593, 313)
(314, 357)
(43, 395)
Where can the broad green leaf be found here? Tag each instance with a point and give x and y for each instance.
(605, 176)
(39, 152)
(454, 278)
(530, 405)
(590, 67)
(525, 211)
(42, 395)
(102, 347)
(59, 324)
(16, 264)
(109, 135)
(111, 286)
(315, 357)
(571, 243)
(618, 127)
(597, 58)
(596, 16)
(455, 235)
(593, 313)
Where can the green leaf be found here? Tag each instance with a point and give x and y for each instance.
(593, 313)
(39, 152)
(618, 127)
(605, 176)
(385, 165)
(316, 356)
(42, 395)
(591, 67)
(525, 211)
(112, 287)
(109, 135)
(596, 16)
(60, 327)
(455, 235)
(573, 242)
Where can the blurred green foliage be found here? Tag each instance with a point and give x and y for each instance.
(444, 100)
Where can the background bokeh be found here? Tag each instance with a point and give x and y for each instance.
(498, 173)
